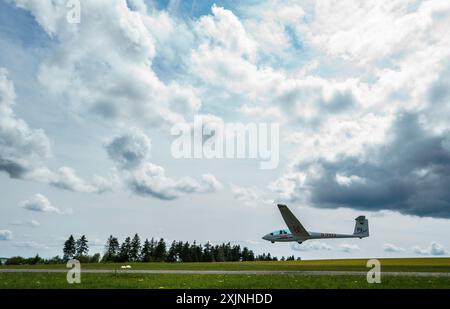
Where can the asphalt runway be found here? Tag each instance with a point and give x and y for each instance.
(231, 272)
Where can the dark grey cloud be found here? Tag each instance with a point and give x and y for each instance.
(439, 92)
(410, 173)
(130, 149)
(13, 169)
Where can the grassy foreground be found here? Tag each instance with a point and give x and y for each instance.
(172, 281)
(402, 264)
(232, 281)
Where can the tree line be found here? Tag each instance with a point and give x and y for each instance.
(132, 249)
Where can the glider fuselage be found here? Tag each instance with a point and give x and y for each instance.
(296, 231)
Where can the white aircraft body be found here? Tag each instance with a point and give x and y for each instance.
(299, 234)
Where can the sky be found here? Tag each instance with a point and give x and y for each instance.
(360, 91)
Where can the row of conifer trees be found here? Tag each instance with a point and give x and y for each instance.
(132, 249)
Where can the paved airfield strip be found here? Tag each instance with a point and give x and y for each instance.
(230, 272)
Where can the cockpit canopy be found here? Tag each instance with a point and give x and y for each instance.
(279, 232)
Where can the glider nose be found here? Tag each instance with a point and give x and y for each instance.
(266, 237)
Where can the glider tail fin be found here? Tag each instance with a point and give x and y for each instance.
(361, 227)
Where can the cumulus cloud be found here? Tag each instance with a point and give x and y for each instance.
(34, 223)
(362, 129)
(365, 104)
(39, 203)
(386, 28)
(66, 178)
(130, 151)
(251, 196)
(151, 180)
(5, 235)
(23, 150)
(408, 173)
(311, 246)
(273, 25)
(224, 29)
(21, 147)
(435, 249)
(306, 100)
(113, 77)
(387, 247)
(349, 248)
(210, 183)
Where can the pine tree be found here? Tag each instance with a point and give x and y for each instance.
(245, 254)
(146, 252)
(214, 253)
(207, 254)
(227, 252)
(235, 253)
(135, 248)
(160, 251)
(185, 253)
(124, 254)
(179, 250)
(69, 249)
(111, 249)
(195, 252)
(221, 254)
(172, 255)
(153, 244)
(95, 258)
(36, 260)
(251, 256)
(82, 247)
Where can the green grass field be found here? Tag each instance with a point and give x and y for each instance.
(291, 281)
(170, 281)
(403, 264)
